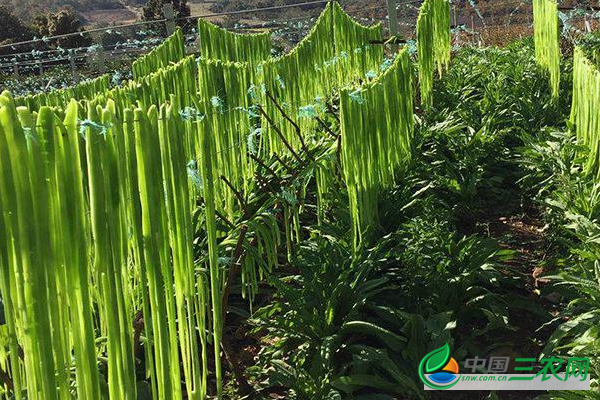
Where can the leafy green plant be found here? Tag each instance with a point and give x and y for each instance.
(559, 176)
(502, 88)
(333, 329)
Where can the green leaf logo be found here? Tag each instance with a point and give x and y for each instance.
(435, 361)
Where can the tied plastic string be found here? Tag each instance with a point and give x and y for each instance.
(194, 174)
(190, 113)
(308, 111)
(94, 126)
(280, 82)
(356, 96)
(217, 103)
(251, 136)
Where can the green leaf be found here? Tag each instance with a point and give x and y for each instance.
(395, 342)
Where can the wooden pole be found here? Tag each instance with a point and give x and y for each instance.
(16, 69)
(456, 28)
(74, 68)
(169, 14)
(100, 62)
(41, 71)
(588, 27)
(454, 14)
(392, 17)
(393, 21)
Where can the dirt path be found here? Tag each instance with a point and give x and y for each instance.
(524, 235)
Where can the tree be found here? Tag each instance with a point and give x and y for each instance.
(153, 9)
(63, 22)
(12, 29)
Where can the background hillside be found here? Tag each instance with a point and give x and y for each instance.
(106, 12)
(28, 9)
(495, 21)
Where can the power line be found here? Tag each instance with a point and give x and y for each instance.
(43, 62)
(32, 54)
(66, 35)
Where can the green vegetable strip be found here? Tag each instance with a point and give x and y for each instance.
(206, 155)
(546, 38)
(376, 139)
(8, 290)
(11, 288)
(58, 98)
(170, 51)
(134, 214)
(155, 254)
(73, 217)
(296, 78)
(433, 44)
(178, 80)
(107, 224)
(226, 110)
(220, 44)
(26, 202)
(442, 40)
(171, 130)
(56, 279)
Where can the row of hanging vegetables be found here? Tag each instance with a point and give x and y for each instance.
(115, 182)
(546, 38)
(107, 195)
(585, 109)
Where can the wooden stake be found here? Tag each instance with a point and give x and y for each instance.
(16, 70)
(393, 20)
(74, 68)
(169, 14)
